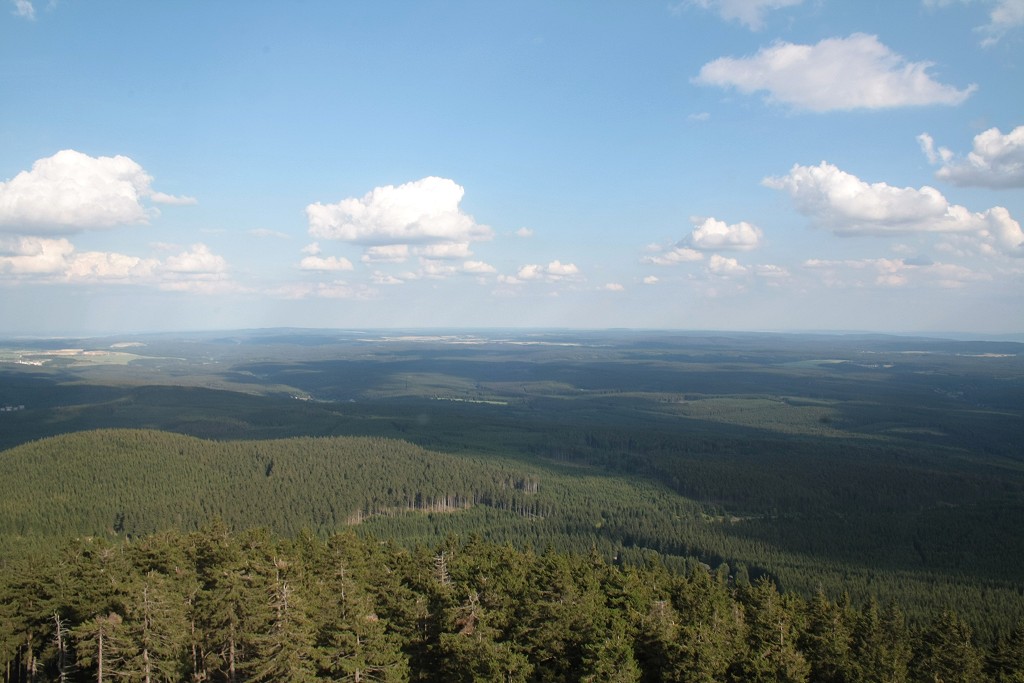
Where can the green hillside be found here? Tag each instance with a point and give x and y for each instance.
(128, 483)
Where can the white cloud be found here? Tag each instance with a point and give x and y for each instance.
(530, 272)
(651, 280)
(391, 253)
(750, 13)
(34, 255)
(436, 269)
(423, 211)
(846, 205)
(444, 250)
(108, 267)
(524, 232)
(71, 191)
(382, 278)
(933, 153)
(198, 259)
(55, 260)
(714, 234)
(553, 272)
(885, 272)
(700, 117)
(1004, 16)
(613, 287)
(24, 9)
(478, 267)
(672, 255)
(1000, 235)
(997, 160)
(725, 267)
(557, 269)
(858, 72)
(331, 263)
(312, 249)
(163, 198)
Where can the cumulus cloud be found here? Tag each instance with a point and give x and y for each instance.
(478, 267)
(613, 287)
(886, 272)
(391, 253)
(557, 269)
(857, 72)
(34, 255)
(109, 267)
(750, 13)
(422, 211)
(724, 266)
(72, 191)
(671, 255)
(55, 260)
(553, 272)
(848, 206)
(713, 234)
(651, 280)
(319, 263)
(444, 250)
(198, 259)
(997, 160)
(524, 232)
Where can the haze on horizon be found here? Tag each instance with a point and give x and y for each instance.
(693, 164)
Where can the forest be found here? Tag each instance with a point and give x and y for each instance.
(215, 606)
(855, 475)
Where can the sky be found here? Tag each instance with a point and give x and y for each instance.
(763, 165)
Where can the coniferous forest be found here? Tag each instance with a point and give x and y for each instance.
(538, 507)
(212, 605)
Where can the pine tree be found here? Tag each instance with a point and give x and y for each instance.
(353, 642)
(1006, 661)
(610, 659)
(946, 653)
(826, 641)
(771, 653)
(283, 634)
(157, 624)
(880, 647)
(103, 645)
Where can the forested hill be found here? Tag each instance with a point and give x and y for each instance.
(124, 484)
(130, 482)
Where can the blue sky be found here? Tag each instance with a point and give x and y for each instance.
(691, 164)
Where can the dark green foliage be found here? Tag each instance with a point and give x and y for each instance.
(214, 606)
(945, 652)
